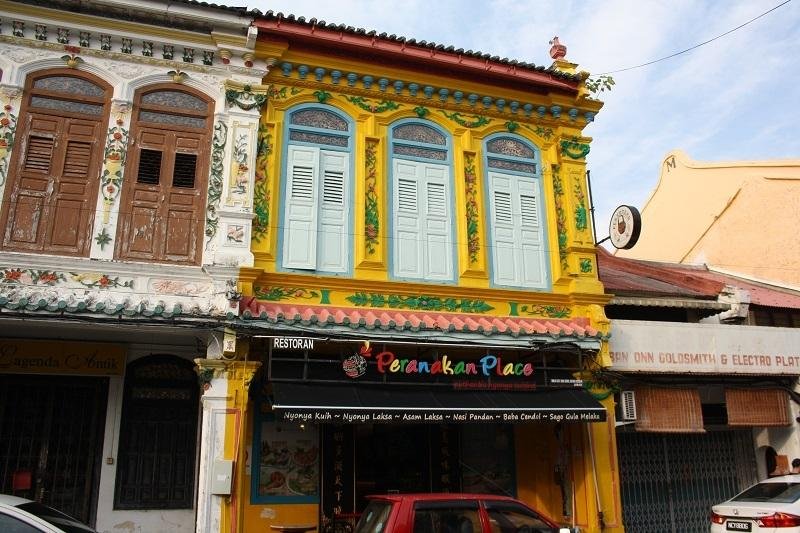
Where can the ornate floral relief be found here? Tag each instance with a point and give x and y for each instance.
(179, 288)
(585, 265)
(368, 105)
(581, 218)
(473, 224)
(475, 122)
(550, 311)
(114, 163)
(245, 99)
(574, 149)
(274, 293)
(215, 179)
(235, 234)
(372, 222)
(261, 193)
(561, 219)
(8, 128)
(30, 276)
(282, 93)
(419, 303)
(239, 182)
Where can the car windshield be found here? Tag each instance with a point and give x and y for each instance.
(373, 519)
(57, 518)
(783, 492)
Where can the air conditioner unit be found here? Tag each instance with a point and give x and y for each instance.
(627, 404)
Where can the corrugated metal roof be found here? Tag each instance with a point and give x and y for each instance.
(634, 277)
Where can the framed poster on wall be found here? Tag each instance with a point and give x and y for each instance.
(285, 466)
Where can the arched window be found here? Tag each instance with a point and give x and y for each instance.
(316, 214)
(164, 191)
(519, 257)
(54, 174)
(157, 439)
(422, 233)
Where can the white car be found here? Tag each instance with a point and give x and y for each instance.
(18, 515)
(772, 506)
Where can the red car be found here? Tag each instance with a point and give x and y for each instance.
(452, 513)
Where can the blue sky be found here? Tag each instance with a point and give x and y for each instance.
(736, 98)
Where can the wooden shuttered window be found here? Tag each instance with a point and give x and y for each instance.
(162, 208)
(757, 407)
(423, 224)
(668, 410)
(518, 253)
(316, 229)
(51, 194)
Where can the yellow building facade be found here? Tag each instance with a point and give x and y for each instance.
(422, 246)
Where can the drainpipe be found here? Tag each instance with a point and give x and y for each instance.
(600, 518)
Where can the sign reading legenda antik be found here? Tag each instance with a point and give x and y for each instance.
(49, 357)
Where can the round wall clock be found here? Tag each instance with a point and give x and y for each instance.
(626, 224)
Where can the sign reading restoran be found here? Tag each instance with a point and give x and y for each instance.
(641, 346)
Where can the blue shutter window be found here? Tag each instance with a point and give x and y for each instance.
(316, 207)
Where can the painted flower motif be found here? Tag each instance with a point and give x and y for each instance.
(298, 293)
(371, 231)
(4, 121)
(48, 277)
(104, 281)
(110, 189)
(117, 135)
(114, 156)
(242, 167)
(120, 122)
(13, 274)
(8, 107)
(3, 143)
(373, 108)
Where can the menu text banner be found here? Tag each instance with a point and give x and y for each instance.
(642, 346)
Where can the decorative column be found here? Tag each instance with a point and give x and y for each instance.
(224, 404)
(10, 100)
(229, 214)
(115, 154)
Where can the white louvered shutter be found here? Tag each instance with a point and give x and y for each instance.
(333, 215)
(504, 233)
(407, 249)
(517, 233)
(532, 256)
(300, 220)
(437, 224)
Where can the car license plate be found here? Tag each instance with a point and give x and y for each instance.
(739, 526)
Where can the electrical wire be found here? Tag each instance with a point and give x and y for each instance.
(740, 26)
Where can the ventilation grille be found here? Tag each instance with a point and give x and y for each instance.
(627, 403)
(302, 183)
(333, 187)
(149, 167)
(407, 195)
(530, 215)
(40, 152)
(436, 200)
(76, 160)
(502, 208)
(185, 170)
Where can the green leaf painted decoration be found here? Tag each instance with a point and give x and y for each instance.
(471, 193)
(275, 294)
(574, 149)
(477, 120)
(367, 105)
(419, 303)
(261, 193)
(372, 222)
